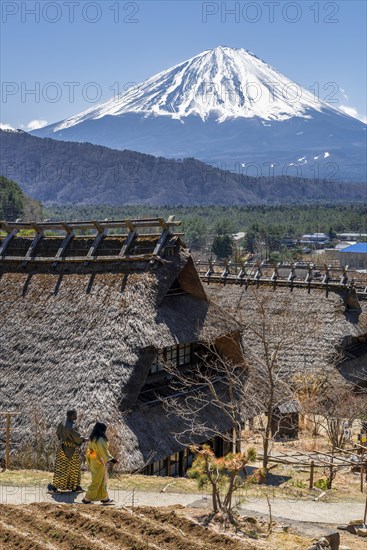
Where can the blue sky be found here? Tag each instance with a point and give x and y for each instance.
(74, 54)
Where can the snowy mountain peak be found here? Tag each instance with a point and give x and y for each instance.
(223, 82)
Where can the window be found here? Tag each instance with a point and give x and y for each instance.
(178, 355)
(171, 354)
(184, 354)
(157, 365)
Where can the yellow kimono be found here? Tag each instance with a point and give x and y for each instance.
(97, 458)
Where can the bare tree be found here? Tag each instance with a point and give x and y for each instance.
(254, 387)
(271, 338)
(309, 386)
(332, 401)
(211, 387)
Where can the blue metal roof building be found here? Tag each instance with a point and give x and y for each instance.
(359, 248)
(354, 256)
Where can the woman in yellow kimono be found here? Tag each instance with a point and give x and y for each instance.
(98, 457)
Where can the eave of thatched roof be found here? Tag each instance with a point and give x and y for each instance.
(354, 365)
(158, 432)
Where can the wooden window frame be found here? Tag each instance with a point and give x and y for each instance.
(180, 354)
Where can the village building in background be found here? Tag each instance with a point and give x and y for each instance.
(354, 256)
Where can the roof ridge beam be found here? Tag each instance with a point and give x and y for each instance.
(106, 224)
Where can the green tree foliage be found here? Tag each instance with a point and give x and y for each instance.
(15, 204)
(196, 230)
(12, 200)
(289, 220)
(224, 226)
(222, 475)
(223, 246)
(250, 240)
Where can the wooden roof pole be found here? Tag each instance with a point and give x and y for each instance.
(275, 275)
(210, 271)
(65, 243)
(292, 277)
(226, 270)
(242, 272)
(38, 236)
(162, 239)
(11, 234)
(130, 237)
(344, 276)
(100, 235)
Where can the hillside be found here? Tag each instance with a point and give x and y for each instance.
(15, 204)
(82, 173)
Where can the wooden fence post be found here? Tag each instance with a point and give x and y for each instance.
(312, 474)
(362, 475)
(8, 429)
(7, 442)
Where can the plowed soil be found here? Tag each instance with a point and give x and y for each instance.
(81, 527)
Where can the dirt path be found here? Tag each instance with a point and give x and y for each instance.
(310, 511)
(297, 510)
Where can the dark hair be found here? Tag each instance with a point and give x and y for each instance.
(98, 431)
(70, 414)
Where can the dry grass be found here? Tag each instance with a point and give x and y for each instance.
(347, 484)
(287, 480)
(116, 481)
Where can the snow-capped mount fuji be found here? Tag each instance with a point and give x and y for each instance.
(229, 107)
(224, 82)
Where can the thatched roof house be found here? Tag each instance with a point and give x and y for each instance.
(83, 318)
(322, 326)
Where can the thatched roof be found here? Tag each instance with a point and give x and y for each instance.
(83, 333)
(319, 325)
